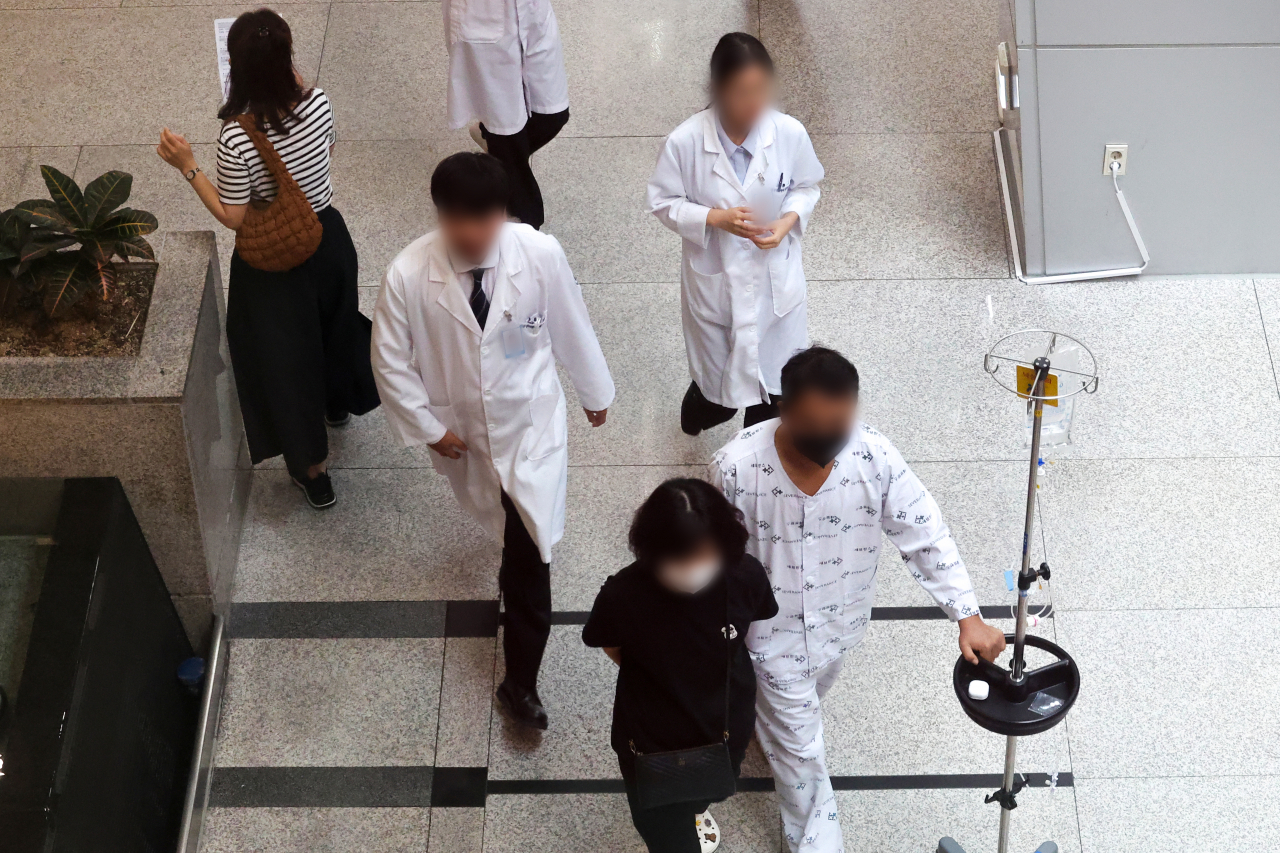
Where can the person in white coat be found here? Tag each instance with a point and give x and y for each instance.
(470, 322)
(738, 181)
(818, 490)
(507, 82)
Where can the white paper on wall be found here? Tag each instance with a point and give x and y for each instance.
(222, 26)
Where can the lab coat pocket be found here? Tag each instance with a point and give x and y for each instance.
(786, 277)
(478, 21)
(547, 414)
(707, 296)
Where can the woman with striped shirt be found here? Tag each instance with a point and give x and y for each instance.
(299, 345)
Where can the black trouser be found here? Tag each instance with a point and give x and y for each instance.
(698, 413)
(514, 151)
(525, 583)
(666, 829)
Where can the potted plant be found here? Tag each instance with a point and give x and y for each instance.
(62, 292)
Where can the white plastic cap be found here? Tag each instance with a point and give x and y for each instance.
(979, 690)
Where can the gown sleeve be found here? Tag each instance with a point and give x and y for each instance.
(912, 521)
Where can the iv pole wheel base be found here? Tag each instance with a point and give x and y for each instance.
(1007, 710)
(949, 845)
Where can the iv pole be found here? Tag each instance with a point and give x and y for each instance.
(1021, 702)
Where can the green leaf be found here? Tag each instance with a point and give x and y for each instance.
(13, 230)
(104, 194)
(126, 224)
(137, 247)
(96, 251)
(102, 277)
(62, 282)
(39, 246)
(44, 214)
(66, 195)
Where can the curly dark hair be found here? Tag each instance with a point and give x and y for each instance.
(679, 516)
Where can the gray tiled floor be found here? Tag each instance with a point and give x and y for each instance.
(1158, 518)
(357, 703)
(316, 830)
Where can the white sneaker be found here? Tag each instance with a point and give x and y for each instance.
(477, 137)
(708, 832)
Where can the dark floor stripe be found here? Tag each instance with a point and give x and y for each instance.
(472, 619)
(322, 787)
(883, 614)
(413, 619)
(923, 781)
(459, 787)
(907, 614)
(556, 786)
(336, 619)
(570, 617)
(467, 787)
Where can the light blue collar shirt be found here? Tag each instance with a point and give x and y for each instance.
(739, 155)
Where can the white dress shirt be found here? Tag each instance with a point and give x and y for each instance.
(821, 551)
(739, 155)
(462, 269)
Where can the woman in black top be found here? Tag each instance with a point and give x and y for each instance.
(662, 620)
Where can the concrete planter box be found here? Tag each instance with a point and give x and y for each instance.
(165, 422)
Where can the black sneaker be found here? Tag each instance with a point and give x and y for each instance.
(319, 490)
(337, 419)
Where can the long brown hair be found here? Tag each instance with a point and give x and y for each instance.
(264, 82)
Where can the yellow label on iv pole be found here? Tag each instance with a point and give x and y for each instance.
(1027, 381)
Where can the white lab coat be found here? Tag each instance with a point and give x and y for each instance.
(497, 390)
(743, 307)
(505, 61)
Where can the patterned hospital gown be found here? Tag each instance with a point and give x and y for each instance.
(821, 553)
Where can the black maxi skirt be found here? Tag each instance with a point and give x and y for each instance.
(300, 347)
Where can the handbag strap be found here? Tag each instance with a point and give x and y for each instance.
(267, 151)
(728, 655)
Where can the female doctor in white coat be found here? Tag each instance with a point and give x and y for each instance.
(507, 81)
(738, 181)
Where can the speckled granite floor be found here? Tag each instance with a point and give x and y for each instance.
(365, 648)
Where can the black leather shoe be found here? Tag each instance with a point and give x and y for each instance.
(523, 706)
(319, 490)
(337, 419)
(688, 411)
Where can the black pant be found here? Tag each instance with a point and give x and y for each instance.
(666, 829)
(698, 413)
(514, 151)
(299, 348)
(525, 583)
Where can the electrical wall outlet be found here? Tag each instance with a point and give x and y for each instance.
(1118, 154)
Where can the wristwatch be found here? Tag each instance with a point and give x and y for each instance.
(191, 176)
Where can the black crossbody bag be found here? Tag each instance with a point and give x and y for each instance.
(700, 773)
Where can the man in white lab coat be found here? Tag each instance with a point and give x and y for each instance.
(818, 488)
(470, 322)
(507, 81)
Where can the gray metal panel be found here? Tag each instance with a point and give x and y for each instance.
(1203, 179)
(1090, 22)
(1032, 236)
(1024, 18)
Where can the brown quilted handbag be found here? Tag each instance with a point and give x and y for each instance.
(280, 234)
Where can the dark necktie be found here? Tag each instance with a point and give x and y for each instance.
(479, 302)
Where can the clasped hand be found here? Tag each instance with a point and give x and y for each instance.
(737, 221)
